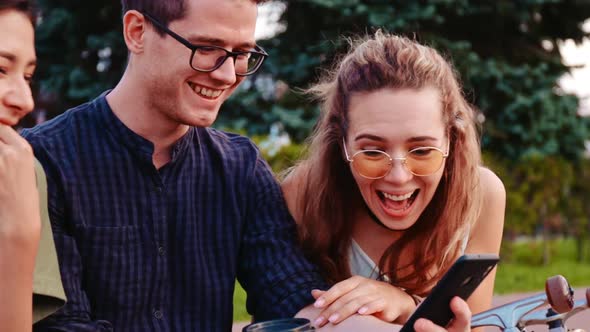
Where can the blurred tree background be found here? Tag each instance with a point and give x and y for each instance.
(505, 51)
(81, 52)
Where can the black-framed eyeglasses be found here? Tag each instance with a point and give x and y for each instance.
(207, 58)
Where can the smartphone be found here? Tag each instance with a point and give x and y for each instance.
(460, 280)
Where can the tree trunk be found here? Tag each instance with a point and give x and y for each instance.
(545, 219)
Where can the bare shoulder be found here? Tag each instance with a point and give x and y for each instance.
(486, 236)
(292, 186)
(492, 186)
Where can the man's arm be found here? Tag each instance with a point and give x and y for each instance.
(272, 268)
(75, 315)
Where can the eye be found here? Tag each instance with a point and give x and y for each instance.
(244, 55)
(373, 154)
(422, 152)
(207, 50)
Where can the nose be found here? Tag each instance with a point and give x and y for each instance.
(226, 73)
(19, 96)
(399, 173)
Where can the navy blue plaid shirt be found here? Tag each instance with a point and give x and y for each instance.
(142, 249)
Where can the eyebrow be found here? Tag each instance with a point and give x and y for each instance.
(12, 58)
(216, 41)
(421, 139)
(409, 140)
(368, 136)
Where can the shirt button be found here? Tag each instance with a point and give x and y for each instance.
(161, 251)
(158, 314)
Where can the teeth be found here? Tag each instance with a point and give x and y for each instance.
(209, 93)
(398, 198)
(206, 92)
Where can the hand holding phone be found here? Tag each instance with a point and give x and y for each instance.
(461, 280)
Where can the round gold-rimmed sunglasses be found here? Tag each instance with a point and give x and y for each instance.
(375, 164)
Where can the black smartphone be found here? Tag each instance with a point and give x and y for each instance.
(460, 280)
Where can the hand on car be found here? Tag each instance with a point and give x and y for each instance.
(359, 295)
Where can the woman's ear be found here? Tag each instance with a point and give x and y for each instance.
(133, 30)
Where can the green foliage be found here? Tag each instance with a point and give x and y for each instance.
(536, 188)
(576, 208)
(253, 112)
(548, 195)
(510, 76)
(522, 107)
(286, 157)
(81, 52)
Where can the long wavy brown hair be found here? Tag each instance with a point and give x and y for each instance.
(328, 191)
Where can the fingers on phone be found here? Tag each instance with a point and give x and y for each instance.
(425, 325)
(461, 310)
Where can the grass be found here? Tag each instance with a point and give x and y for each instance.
(514, 277)
(521, 271)
(240, 313)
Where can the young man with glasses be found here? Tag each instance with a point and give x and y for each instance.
(155, 214)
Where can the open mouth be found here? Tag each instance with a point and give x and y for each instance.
(204, 92)
(398, 203)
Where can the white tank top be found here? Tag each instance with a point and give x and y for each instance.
(362, 265)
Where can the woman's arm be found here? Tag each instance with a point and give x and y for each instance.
(20, 229)
(486, 235)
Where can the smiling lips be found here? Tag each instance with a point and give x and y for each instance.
(398, 205)
(205, 92)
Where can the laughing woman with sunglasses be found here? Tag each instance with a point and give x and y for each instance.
(392, 191)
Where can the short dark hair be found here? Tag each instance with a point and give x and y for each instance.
(164, 11)
(26, 7)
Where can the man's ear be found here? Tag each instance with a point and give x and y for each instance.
(134, 25)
